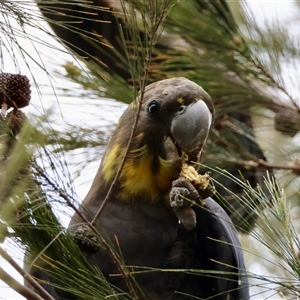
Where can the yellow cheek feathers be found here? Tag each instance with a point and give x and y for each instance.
(110, 162)
(137, 177)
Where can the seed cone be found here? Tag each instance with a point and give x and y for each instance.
(14, 90)
(15, 120)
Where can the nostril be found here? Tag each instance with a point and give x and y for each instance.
(181, 108)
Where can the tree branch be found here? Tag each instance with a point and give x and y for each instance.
(18, 287)
(25, 275)
(260, 163)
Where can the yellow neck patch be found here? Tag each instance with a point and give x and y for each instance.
(138, 178)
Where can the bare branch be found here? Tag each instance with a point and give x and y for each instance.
(18, 287)
(26, 276)
(260, 163)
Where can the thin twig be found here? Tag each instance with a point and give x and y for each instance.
(268, 166)
(143, 81)
(26, 276)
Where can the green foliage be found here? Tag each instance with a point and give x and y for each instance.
(235, 60)
(275, 231)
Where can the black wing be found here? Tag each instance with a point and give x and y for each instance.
(219, 242)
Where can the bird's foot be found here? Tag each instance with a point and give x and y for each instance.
(182, 196)
(86, 240)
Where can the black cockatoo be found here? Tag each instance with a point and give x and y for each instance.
(155, 216)
(194, 35)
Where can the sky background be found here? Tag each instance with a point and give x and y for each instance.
(82, 109)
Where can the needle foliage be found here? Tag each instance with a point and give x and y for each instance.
(124, 46)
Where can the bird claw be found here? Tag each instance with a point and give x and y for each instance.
(183, 193)
(178, 197)
(182, 196)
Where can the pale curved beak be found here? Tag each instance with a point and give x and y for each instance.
(190, 127)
